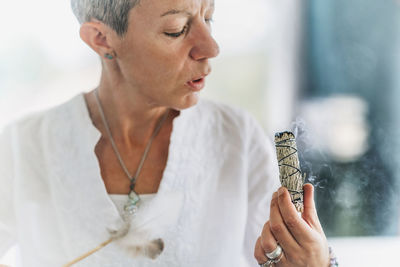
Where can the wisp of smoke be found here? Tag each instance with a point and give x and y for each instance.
(307, 151)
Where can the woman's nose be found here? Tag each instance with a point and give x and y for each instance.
(205, 45)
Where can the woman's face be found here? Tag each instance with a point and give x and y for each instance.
(164, 55)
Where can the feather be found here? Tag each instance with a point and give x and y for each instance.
(142, 235)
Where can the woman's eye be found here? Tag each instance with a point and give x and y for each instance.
(176, 34)
(209, 20)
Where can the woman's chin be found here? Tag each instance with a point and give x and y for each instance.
(193, 99)
(189, 101)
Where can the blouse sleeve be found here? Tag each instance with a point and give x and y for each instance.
(7, 218)
(263, 180)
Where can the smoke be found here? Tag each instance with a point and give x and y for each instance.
(352, 198)
(318, 171)
(307, 150)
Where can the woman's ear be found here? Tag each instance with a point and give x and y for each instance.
(98, 37)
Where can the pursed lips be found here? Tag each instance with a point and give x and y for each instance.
(197, 83)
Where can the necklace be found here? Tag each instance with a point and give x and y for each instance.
(132, 204)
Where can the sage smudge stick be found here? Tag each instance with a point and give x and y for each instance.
(289, 167)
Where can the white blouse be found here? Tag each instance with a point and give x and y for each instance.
(55, 206)
(120, 200)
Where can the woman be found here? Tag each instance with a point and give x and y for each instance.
(77, 174)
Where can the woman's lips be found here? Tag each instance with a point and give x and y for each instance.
(196, 85)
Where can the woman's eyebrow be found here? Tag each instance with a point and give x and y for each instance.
(176, 11)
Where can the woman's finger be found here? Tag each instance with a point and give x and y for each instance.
(300, 230)
(267, 239)
(279, 229)
(310, 213)
(259, 253)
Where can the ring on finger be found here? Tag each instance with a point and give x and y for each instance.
(278, 259)
(268, 263)
(276, 253)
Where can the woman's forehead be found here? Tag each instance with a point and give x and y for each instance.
(166, 7)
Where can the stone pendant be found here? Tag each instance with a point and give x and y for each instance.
(132, 204)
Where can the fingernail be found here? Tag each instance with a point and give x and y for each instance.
(281, 191)
(275, 195)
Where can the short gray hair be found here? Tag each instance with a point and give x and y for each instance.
(113, 13)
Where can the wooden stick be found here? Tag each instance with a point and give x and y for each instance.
(289, 167)
(102, 245)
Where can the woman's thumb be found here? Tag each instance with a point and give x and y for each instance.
(310, 213)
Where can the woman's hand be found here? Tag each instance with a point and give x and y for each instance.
(302, 238)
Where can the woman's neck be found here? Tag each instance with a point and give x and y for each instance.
(131, 120)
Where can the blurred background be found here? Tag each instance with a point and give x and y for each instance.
(328, 70)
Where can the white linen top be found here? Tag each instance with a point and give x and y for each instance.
(120, 200)
(55, 206)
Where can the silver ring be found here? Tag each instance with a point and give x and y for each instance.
(274, 254)
(268, 263)
(278, 259)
